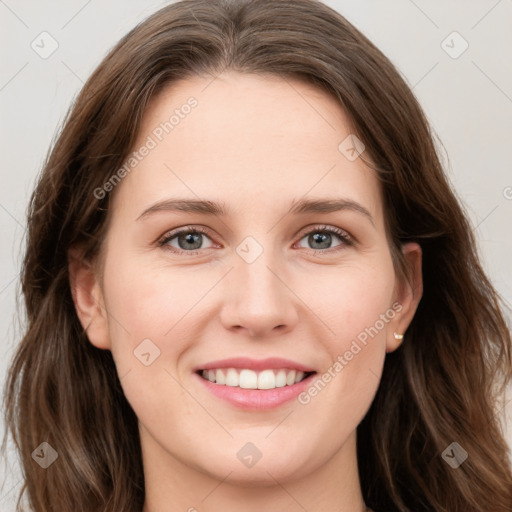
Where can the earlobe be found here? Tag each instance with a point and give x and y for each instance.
(88, 299)
(408, 293)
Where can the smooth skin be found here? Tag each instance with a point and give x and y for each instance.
(256, 145)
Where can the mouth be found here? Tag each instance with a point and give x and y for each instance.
(245, 378)
(254, 384)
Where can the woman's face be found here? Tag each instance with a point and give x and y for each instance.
(273, 273)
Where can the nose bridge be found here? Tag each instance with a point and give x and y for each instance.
(258, 284)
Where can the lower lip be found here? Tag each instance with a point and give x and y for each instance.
(257, 399)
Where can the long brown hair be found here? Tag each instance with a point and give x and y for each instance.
(438, 388)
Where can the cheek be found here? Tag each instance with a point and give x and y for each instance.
(151, 317)
(350, 300)
(357, 307)
(148, 299)
(151, 324)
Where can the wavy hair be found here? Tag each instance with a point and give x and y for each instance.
(441, 386)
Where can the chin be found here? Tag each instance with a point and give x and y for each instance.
(262, 473)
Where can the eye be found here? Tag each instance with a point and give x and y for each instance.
(321, 237)
(186, 240)
(190, 240)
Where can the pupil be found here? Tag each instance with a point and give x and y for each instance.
(189, 239)
(319, 237)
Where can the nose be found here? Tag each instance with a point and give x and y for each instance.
(258, 299)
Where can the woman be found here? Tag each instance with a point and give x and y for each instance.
(254, 369)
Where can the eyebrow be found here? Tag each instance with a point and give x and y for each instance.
(329, 206)
(302, 206)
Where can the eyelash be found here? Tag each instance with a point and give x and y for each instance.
(343, 235)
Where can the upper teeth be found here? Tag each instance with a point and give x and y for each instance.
(249, 379)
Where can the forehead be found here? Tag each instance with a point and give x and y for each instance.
(246, 140)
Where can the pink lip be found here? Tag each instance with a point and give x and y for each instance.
(256, 399)
(270, 363)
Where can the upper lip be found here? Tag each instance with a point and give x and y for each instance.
(255, 364)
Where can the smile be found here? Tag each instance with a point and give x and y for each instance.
(250, 379)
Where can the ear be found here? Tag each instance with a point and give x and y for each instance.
(408, 293)
(88, 299)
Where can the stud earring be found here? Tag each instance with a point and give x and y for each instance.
(398, 337)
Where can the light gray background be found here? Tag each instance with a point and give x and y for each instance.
(468, 101)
